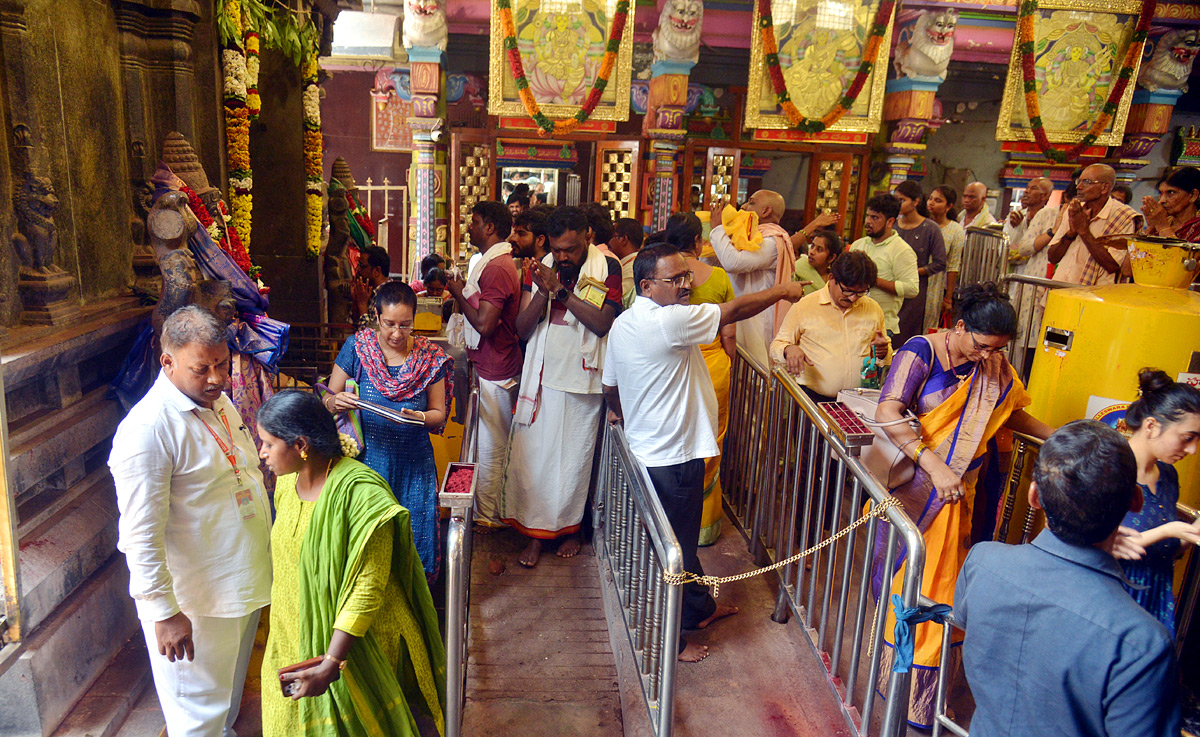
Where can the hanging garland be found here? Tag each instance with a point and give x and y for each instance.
(771, 53)
(235, 72)
(1025, 36)
(547, 124)
(253, 100)
(311, 99)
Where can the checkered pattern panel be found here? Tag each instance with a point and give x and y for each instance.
(722, 187)
(829, 186)
(616, 182)
(473, 177)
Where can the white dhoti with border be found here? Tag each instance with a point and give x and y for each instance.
(496, 401)
(201, 697)
(549, 465)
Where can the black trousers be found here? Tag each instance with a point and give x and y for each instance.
(680, 488)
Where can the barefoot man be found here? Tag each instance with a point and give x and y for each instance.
(656, 383)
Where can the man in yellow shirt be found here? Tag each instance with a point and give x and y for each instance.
(825, 336)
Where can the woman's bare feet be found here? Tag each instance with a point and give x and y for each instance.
(693, 653)
(719, 613)
(569, 548)
(529, 556)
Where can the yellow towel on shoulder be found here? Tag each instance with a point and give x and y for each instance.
(742, 228)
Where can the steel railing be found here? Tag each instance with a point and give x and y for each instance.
(791, 484)
(984, 257)
(458, 580)
(636, 541)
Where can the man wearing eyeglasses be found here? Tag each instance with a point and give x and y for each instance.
(657, 383)
(826, 335)
(895, 260)
(1080, 247)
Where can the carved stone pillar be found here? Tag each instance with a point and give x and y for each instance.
(1149, 118)
(908, 110)
(663, 126)
(428, 134)
(49, 295)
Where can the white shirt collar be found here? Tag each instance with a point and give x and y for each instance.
(176, 398)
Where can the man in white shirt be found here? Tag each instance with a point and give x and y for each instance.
(1029, 230)
(976, 213)
(195, 528)
(656, 381)
(895, 260)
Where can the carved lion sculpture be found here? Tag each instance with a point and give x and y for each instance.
(425, 24)
(36, 237)
(1172, 62)
(338, 273)
(677, 37)
(927, 55)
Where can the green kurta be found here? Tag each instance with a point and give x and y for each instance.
(367, 582)
(806, 272)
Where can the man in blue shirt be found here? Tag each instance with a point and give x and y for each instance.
(1054, 644)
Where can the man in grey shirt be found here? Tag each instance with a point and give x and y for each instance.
(1054, 644)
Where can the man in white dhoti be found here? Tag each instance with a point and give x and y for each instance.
(1029, 230)
(757, 254)
(490, 299)
(195, 528)
(573, 296)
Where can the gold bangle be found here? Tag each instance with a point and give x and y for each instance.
(341, 664)
(921, 448)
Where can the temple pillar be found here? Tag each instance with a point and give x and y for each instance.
(908, 111)
(663, 126)
(429, 133)
(49, 295)
(1149, 118)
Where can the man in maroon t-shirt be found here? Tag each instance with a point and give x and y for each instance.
(489, 300)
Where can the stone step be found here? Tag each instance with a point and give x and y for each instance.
(63, 656)
(63, 436)
(106, 707)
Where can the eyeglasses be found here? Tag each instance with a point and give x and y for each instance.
(855, 292)
(986, 350)
(397, 328)
(1081, 182)
(682, 280)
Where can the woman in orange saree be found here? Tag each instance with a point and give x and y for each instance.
(965, 393)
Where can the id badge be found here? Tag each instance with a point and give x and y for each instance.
(244, 501)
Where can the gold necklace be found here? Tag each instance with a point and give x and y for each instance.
(950, 360)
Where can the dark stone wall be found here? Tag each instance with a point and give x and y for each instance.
(277, 153)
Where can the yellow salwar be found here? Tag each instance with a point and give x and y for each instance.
(959, 430)
(716, 289)
(372, 604)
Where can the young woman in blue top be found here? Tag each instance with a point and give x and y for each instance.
(1166, 429)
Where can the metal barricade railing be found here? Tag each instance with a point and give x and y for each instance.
(984, 257)
(795, 485)
(458, 581)
(312, 348)
(636, 541)
(1028, 294)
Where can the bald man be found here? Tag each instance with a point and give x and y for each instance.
(1080, 245)
(1034, 218)
(976, 213)
(753, 271)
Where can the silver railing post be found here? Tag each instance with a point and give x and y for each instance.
(637, 546)
(795, 483)
(458, 570)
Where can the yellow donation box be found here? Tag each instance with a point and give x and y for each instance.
(1093, 342)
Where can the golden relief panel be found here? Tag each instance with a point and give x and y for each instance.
(617, 183)
(1079, 47)
(820, 49)
(473, 187)
(562, 47)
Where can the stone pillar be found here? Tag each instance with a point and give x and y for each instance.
(429, 132)
(49, 295)
(663, 126)
(908, 110)
(1149, 118)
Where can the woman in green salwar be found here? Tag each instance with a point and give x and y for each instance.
(348, 588)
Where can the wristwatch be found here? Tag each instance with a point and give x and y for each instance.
(561, 294)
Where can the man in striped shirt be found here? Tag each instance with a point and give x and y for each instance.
(1079, 247)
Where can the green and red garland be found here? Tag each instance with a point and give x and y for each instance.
(1026, 46)
(547, 124)
(766, 26)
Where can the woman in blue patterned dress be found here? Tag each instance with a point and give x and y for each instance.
(410, 375)
(1166, 428)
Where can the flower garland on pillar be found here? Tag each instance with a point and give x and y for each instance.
(548, 125)
(253, 100)
(313, 170)
(1026, 47)
(237, 121)
(771, 54)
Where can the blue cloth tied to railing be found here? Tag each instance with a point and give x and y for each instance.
(905, 618)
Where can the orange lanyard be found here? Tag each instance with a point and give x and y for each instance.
(227, 450)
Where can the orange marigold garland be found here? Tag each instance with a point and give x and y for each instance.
(313, 168)
(771, 54)
(547, 124)
(237, 84)
(1026, 47)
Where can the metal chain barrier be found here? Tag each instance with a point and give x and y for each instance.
(679, 579)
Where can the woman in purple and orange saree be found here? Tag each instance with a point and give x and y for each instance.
(964, 392)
